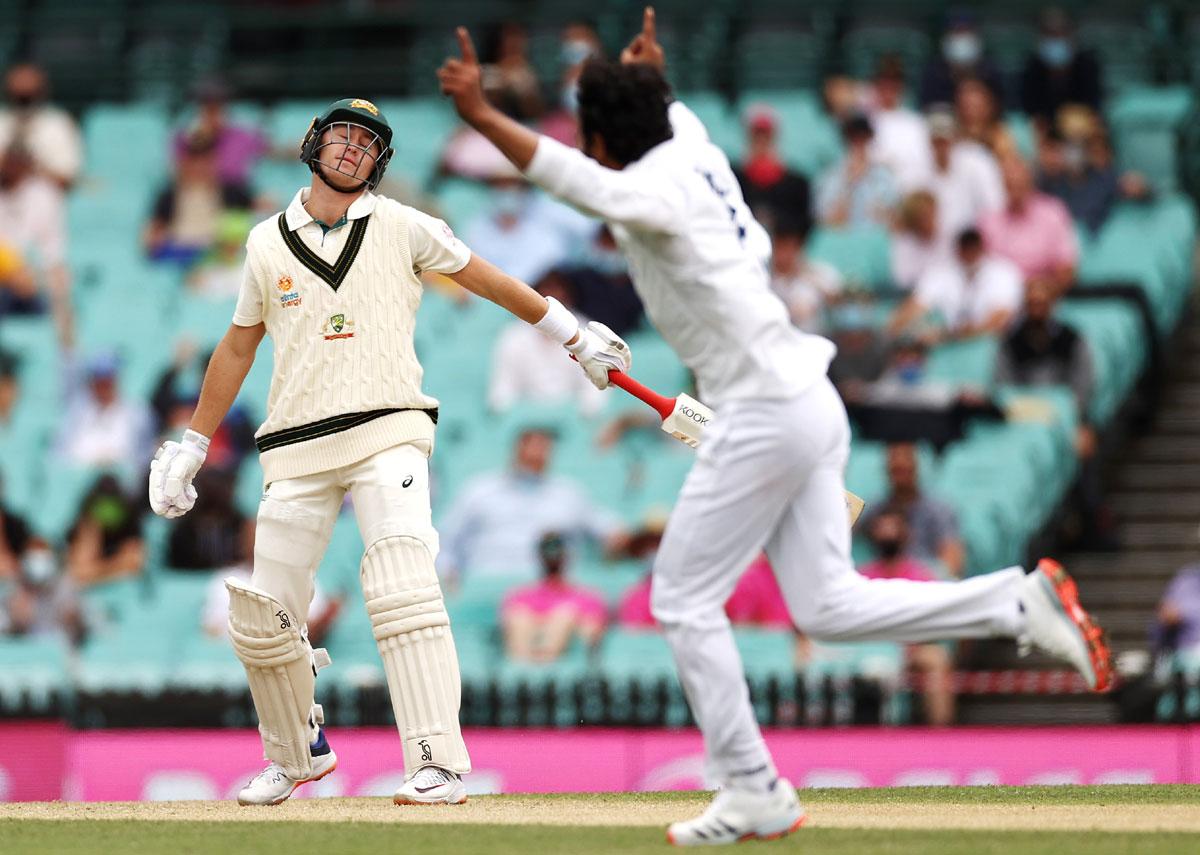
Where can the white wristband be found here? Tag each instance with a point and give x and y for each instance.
(191, 437)
(558, 324)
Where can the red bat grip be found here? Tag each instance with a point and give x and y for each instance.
(664, 405)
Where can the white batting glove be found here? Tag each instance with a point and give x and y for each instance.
(174, 466)
(600, 350)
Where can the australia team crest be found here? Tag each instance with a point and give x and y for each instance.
(337, 327)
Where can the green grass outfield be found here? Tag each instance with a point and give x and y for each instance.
(971, 821)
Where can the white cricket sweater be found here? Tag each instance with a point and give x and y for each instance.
(340, 308)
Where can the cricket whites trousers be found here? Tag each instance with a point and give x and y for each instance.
(390, 492)
(770, 475)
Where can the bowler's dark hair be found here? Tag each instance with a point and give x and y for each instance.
(624, 105)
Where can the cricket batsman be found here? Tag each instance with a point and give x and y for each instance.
(770, 471)
(335, 281)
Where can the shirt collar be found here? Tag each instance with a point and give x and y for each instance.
(297, 216)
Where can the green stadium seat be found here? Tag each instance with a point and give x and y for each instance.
(861, 255)
(33, 671)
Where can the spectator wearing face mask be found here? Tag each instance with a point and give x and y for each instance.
(523, 232)
(104, 427)
(932, 525)
(540, 621)
(507, 74)
(888, 533)
(43, 602)
(29, 121)
(236, 148)
(774, 192)
(105, 543)
(961, 57)
(1079, 170)
(1059, 72)
(578, 43)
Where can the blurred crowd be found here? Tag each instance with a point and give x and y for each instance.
(984, 244)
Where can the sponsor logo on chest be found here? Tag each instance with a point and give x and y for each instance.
(289, 297)
(337, 327)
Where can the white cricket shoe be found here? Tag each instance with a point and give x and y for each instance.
(432, 785)
(736, 815)
(1056, 623)
(272, 785)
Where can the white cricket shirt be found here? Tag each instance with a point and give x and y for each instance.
(340, 308)
(698, 260)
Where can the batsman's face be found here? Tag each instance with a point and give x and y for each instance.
(348, 153)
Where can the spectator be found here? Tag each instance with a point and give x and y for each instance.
(211, 535)
(10, 388)
(966, 179)
(322, 610)
(976, 293)
(603, 288)
(236, 149)
(540, 621)
(528, 367)
(805, 284)
(496, 521)
(14, 539)
(861, 352)
(962, 56)
(772, 190)
(1177, 628)
(932, 525)
(1043, 351)
(857, 191)
(508, 78)
(1079, 171)
(918, 244)
(101, 427)
(1058, 72)
(33, 233)
(218, 276)
(979, 118)
(578, 43)
(523, 233)
(901, 140)
(105, 543)
(183, 223)
(29, 122)
(889, 537)
(43, 602)
(756, 601)
(174, 400)
(1034, 230)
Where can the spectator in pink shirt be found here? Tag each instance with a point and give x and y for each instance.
(237, 149)
(1034, 230)
(756, 601)
(540, 621)
(889, 536)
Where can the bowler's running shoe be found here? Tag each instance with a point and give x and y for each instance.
(1056, 623)
(272, 785)
(432, 785)
(742, 815)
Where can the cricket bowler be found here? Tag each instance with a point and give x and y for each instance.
(335, 281)
(769, 473)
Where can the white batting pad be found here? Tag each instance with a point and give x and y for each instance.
(282, 670)
(412, 630)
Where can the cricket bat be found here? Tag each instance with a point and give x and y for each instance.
(686, 419)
